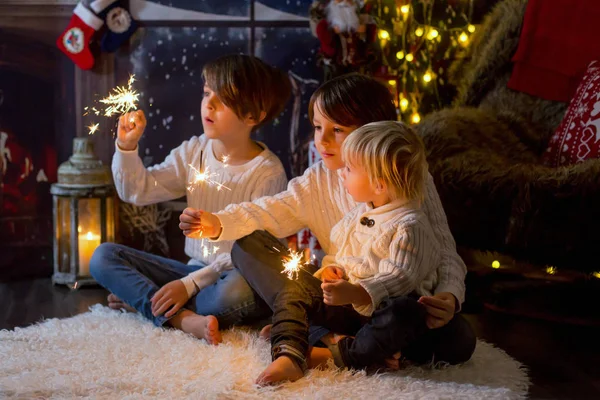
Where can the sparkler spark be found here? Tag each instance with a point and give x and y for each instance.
(121, 100)
(225, 160)
(93, 128)
(292, 266)
(205, 176)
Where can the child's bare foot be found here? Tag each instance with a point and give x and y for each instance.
(265, 333)
(202, 327)
(282, 369)
(394, 362)
(117, 304)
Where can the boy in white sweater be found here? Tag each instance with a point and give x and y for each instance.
(384, 257)
(240, 94)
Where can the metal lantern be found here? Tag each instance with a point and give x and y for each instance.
(84, 213)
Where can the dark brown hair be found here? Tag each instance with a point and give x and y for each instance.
(353, 100)
(248, 85)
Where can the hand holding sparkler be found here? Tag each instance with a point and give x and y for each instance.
(332, 272)
(130, 130)
(197, 223)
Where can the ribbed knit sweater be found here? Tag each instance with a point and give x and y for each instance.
(390, 251)
(318, 200)
(262, 176)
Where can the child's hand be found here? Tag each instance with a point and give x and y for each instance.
(173, 295)
(130, 129)
(332, 272)
(197, 223)
(339, 292)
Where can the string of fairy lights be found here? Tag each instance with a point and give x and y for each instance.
(418, 39)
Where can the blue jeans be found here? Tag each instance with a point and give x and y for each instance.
(134, 276)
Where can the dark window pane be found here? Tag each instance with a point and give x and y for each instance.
(167, 63)
(293, 50)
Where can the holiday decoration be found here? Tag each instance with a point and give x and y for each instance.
(119, 23)
(75, 40)
(347, 34)
(415, 43)
(145, 224)
(84, 213)
(577, 138)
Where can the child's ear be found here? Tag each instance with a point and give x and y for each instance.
(380, 187)
(250, 120)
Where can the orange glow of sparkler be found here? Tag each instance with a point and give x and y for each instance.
(205, 176)
(93, 128)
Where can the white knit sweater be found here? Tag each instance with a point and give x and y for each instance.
(318, 200)
(262, 176)
(390, 251)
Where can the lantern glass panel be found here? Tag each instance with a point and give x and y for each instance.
(63, 233)
(89, 232)
(110, 219)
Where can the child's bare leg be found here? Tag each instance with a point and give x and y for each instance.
(202, 327)
(282, 369)
(116, 303)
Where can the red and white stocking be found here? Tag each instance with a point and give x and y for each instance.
(75, 40)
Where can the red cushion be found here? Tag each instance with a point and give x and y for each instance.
(577, 138)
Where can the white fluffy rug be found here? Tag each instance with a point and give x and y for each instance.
(106, 354)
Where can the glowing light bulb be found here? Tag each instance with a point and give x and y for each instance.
(409, 57)
(596, 274)
(551, 270)
(415, 118)
(471, 28)
(400, 55)
(495, 264)
(427, 77)
(432, 34)
(384, 34)
(392, 82)
(403, 103)
(405, 9)
(419, 32)
(463, 37)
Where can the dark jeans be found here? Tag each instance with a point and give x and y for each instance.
(261, 266)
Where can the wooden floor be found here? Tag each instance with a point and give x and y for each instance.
(564, 360)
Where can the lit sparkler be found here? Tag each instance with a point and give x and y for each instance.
(204, 176)
(292, 264)
(93, 128)
(122, 100)
(225, 160)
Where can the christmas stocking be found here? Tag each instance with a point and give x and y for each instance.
(75, 40)
(118, 21)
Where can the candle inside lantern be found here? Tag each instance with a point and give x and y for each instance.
(87, 245)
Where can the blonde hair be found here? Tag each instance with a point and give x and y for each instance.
(389, 152)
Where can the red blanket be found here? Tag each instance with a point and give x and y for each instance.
(558, 41)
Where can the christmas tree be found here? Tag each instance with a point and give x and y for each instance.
(407, 44)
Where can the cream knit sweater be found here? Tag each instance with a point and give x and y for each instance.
(390, 251)
(318, 200)
(262, 176)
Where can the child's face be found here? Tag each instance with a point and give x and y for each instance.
(329, 137)
(219, 121)
(357, 183)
